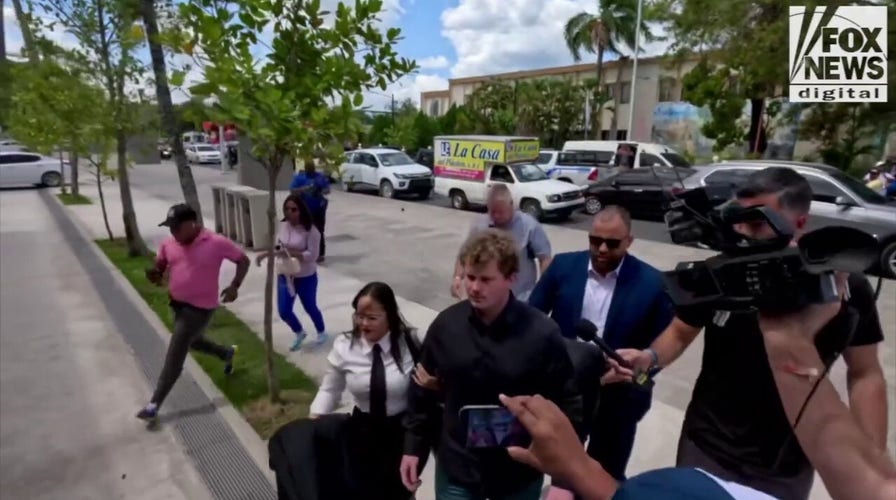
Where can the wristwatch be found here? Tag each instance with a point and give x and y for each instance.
(654, 358)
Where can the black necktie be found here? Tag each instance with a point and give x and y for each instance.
(378, 384)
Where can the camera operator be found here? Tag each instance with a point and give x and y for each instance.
(850, 464)
(735, 427)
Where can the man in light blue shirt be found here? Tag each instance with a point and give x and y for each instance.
(528, 233)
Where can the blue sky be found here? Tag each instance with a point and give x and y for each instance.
(421, 41)
(452, 38)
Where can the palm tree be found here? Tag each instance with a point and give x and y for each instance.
(612, 30)
(25, 26)
(166, 106)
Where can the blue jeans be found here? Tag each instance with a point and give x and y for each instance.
(446, 490)
(306, 289)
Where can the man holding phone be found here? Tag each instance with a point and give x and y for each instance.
(487, 345)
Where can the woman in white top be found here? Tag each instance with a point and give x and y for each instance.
(298, 245)
(375, 363)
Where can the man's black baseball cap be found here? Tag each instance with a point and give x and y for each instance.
(178, 214)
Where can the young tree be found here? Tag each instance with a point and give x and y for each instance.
(742, 45)
(53, 107)
(99, 164)
(150, 16)
(281, 100)
(844, 131)
(108, 38)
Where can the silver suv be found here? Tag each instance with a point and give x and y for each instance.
(837, 199)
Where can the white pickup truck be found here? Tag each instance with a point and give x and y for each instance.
(466, 166)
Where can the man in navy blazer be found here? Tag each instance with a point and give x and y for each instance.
(626, 299)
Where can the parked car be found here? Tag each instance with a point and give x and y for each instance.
(631, 154)
(425, 157)
(645, 192)
(19, 168)
(576, 167)
(837, 199)
(165, 151)
(203, 154)
(11, 146)
(386, 170)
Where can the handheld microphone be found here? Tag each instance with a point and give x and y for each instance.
(587, 331)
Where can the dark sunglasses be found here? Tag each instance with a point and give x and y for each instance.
(597, 241)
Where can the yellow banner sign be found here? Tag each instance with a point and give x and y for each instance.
(467, 159)
(522, 151)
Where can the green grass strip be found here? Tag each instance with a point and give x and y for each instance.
(74, 199)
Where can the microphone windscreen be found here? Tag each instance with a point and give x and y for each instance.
(586, 330)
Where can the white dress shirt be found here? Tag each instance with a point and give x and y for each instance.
(351, 361)
(598, 296)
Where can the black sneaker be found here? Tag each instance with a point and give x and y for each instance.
(228, 363)
(148, 413)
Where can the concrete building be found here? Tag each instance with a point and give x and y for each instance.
(659, 80)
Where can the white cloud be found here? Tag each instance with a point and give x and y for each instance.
(433, 62)
(11, 29)
(408, 87)
(495, 36)
(14, 41)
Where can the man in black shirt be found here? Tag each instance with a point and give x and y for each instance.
(485, 346)
(735, 426)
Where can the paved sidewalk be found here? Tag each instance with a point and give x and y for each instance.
(412, 246)
(69, 383)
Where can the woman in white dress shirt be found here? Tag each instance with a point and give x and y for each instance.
(375, 363)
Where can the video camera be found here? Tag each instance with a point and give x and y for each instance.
(749, 274)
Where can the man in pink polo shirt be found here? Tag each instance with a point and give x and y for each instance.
(192, 256)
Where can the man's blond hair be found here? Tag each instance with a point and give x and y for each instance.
(491, 245)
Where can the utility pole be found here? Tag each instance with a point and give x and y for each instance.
(631, 100)
(393, 110)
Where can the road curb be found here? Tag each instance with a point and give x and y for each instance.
(251, 441)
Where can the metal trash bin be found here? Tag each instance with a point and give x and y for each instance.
(256, 211)
(218, 201)
(231, 210)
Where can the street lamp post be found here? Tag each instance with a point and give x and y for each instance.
(631, 100)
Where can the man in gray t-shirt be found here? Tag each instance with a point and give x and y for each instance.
(527, 232)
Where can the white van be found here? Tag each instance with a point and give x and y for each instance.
(194, 138)
(466, 166)
(631, 154)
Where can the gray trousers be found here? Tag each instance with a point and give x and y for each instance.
(784, 488)
(189, 325)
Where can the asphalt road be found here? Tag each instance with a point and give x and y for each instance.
(648, 230)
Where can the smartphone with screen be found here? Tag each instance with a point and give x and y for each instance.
(493, 426)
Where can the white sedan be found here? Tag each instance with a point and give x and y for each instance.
(203, 153)
(19, 168)
(11, 145)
